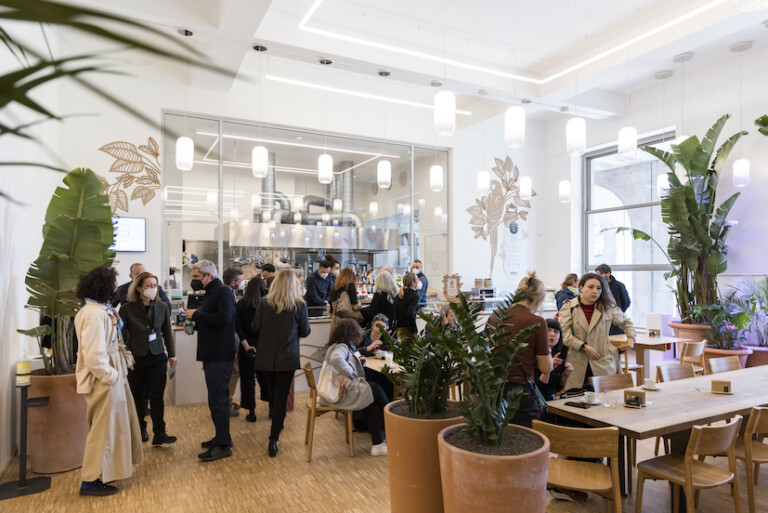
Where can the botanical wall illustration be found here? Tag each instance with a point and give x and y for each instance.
(139, 173)
(502, 205)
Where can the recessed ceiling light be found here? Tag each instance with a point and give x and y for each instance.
(436, 83)
(384, 73)
(260, 48)
(663, 75)
(683, 57)
(325, 62)
(185, 32)
(741, 46)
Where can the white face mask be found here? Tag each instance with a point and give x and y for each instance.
(336, 272)
(150, 293)
(419, 285)
(417, 271)
(241, 286)
(323, 275)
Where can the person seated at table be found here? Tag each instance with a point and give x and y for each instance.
(569, 289)
(358, 394)
(373, 342)
(561, 369)
(383, 300)
(586, 321)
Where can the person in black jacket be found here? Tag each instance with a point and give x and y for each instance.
(148, 335)
(383, 300)
(560, 368)
(215, 324)
(406, 304)
(122, 290)
(280, 321)
(422, 284)
(619, 291)
(246, 351)
(569, 289)
(319, 289)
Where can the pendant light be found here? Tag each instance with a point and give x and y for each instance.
(259, 162)
(445, 113)
(337, 206)
(741, 166)
(741, 173)
(384, 174)
(438, 211)
(185, 153)
(564, 191)
(627, 143)
(436, 178)
(325, 169)
(514, 127)
(373, 208)
(576, 137)
(407, 209)
(483, 182)
(526, 191)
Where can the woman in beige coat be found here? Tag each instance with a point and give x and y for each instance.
(586, 321)
(113, 445)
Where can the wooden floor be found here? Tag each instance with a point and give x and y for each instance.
(172, 480)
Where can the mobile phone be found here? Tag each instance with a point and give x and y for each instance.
(583, 406)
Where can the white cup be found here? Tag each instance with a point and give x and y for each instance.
(590, 397)
(388, 358)
(650, 383)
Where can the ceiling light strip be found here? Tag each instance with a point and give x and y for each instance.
(465, 65)
(358, 94)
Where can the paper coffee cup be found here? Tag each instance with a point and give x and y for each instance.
(650, 383)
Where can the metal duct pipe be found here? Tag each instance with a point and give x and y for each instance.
(317, 201)
(352, 219)
(347, 186)
(268, 185)
(281, 216)
(282, 199)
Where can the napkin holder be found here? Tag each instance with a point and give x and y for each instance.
(634, 398)
(721, 387)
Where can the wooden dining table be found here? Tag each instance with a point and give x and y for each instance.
(644, 344)
(674, 409)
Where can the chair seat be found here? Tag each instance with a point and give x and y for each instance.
(672, 468)
(759, 451)
(634, 366)
(579, 475)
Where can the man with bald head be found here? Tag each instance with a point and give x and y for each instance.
(122, 290)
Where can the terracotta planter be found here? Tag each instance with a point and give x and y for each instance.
(742, 353)
(484, 483)
(693, 332)
(758, 357)
(57, 432)
(414, 466)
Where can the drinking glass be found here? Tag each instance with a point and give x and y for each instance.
(609, 399)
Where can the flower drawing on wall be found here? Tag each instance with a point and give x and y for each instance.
(502, 205)
(139, 173)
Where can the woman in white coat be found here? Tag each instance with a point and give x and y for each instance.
(113, 445)
(357, 393)
(586, 321)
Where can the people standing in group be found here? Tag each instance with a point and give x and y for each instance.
(214, 321)
(345, 285)
(113, 444)
(535, 355)
(148, 335)
(406, 305)
(422, 284)
(246, 352)
(569, 289)
(383, 300)
(586, 322)
(618, 291)
(122, 291)
(280, 320)
(358, 394)
(233, 278)
(318, 287)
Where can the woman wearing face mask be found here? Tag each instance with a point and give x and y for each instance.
(586, 321)
(421, 284)
(406, 304)
(147, 333)
(569, 289)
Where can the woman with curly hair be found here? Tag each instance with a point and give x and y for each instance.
(357, 393)
(113, 445)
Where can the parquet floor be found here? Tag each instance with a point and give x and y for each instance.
(172, 480)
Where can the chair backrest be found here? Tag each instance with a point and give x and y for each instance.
(713, 440)
(580, 442)
(692, 351)
(758, 422)
(310, 381)
(728, 363)
(675, 371)
(612, 382)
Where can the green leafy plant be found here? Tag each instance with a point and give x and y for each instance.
(427, 368)
(485, 361)
(727, 321)
(762, 123)
(77, 234)
(752, 297)
(697, 230)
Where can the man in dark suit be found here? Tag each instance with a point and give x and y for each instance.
(122, 290)
(619, 292)
(215, 325)
(319, 289)
(422, 284)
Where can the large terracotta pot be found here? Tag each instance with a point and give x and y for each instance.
(693, 332)
(758, 357)
(483, 483)
(743, 353)
(57, 432)
(414, 466)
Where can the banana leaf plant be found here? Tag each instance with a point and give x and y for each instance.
(697, 227)
(77, 234)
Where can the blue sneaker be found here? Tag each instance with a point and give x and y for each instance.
(97, 488)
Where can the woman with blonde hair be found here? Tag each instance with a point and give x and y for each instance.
(406, 305)
(280, 320)
(383, 300)
(569, 289)
(535, 355)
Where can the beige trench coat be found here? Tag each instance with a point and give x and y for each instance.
(113, 445)
(576, 331)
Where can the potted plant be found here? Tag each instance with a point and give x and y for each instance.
(77, 235)
(726, 322)
(697, 230)
(426, 374)
(752, 297)
(487, 464)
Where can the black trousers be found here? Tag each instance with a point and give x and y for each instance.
(372, 376)
(374, 413)
(247, 379)
(147, 381)
(217, 376)
(529, 406)
(261, 379)
(279, 385)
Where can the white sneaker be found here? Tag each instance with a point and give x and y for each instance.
(379, 449)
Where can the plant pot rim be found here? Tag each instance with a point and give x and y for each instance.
(675, 324)
(742, 350)
(510, 427)
(756, 347)
(388, 410)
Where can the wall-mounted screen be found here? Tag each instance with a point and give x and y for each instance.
(130, 234)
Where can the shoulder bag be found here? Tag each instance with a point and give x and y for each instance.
(329, 383)
(343, 308)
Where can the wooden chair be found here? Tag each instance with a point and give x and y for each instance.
(617, 340)
(612, 382)
(582, 475)
(665, 374)
(729, 363)
(314, 410)
(753, 451)
(693, 352)
(691, 474)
